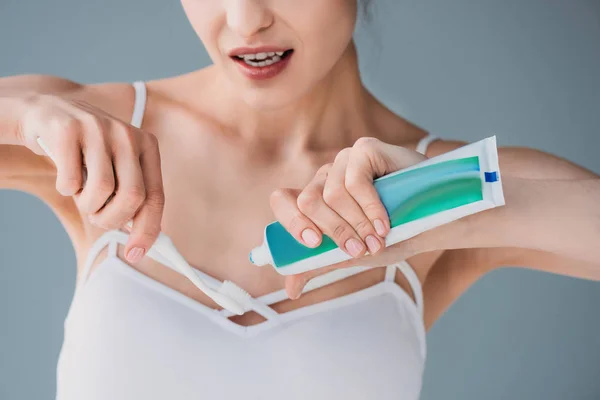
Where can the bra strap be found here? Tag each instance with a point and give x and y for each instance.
(413, 281)
(108, 238)
(139, 106)
(315, 283)
(115, 237)
(424, 143)
(390, 273)
(112, 248)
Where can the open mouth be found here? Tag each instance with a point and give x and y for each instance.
(263, 59)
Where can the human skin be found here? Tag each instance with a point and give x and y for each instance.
(226, 143)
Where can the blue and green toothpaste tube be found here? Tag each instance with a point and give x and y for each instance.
(431, 193)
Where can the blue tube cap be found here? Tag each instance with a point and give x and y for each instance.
(491, 176)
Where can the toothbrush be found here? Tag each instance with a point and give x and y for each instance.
(229, 295)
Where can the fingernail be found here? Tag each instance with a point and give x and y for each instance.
(299, 288)
(296, 296)
(354, 247)
(379, 227)
(310, 237)
(373, 244)
(135, 255)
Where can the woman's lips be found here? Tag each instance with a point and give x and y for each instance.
(262, 63)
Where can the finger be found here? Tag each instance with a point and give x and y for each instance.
(100, 181)
(337, 198)
(427, 241)
(69, 167)
(294, 284)
(360, 173)
(285, 207)
(64, 148)
(130, 192)
(39, 129)
(311, 203)
(147, 221)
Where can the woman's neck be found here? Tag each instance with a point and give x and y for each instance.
(331, 116)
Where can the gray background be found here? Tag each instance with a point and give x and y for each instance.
(526, 70)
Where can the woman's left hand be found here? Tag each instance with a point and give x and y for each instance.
(551, 208)
(342, 203)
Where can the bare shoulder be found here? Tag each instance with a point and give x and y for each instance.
(108, 96)
(114, 98)
(39, 83)
(395, 129)
(441, 146)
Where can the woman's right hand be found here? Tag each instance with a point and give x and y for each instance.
(110, 168)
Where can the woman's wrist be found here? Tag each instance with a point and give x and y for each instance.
(12, 107)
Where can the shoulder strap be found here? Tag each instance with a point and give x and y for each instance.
(424, 143)
(140, 104)
(413, 281)
(107, 239)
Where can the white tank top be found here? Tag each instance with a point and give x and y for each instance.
(129, 337)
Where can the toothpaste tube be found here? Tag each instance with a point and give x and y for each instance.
(426, 195)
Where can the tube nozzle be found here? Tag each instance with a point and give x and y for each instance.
(261, 255)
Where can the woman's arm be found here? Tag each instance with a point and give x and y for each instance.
(82, 133)
(551, 205)
(20, 168)
(550, 202)
(557, 216)
(523, 162)
(456, 270)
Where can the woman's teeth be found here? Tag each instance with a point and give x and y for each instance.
(261, 59)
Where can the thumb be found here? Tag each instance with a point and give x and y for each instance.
(393, 158)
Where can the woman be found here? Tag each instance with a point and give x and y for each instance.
(280, 126)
